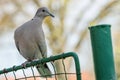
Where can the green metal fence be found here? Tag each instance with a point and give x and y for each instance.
(45, 60)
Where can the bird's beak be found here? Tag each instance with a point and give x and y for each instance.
(50, 14)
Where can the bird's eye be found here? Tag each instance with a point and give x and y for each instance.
(43, 10)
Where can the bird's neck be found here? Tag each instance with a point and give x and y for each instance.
(38, 21)
(39, 18)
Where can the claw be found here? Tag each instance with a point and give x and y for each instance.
(28, 61)
(35, 59)
(24, 64)
(4, 70)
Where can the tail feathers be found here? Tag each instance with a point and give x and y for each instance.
(44, 70)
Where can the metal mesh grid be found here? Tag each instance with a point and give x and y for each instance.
(52, 59)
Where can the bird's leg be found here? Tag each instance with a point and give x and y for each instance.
(25, 63)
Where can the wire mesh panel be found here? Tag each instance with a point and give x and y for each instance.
(29, 71)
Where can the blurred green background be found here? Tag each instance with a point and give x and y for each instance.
(68, 31)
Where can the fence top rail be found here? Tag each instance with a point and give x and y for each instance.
(45, 60)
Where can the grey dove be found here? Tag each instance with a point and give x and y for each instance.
(30, 40)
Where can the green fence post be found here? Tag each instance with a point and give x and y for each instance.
(102, 52)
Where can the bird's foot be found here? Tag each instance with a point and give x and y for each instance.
(25, 63)
(35, 59)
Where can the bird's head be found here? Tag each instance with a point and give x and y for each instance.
(43, 12)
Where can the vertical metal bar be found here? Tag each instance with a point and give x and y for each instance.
(102, 52)
(14, 75)
(14, 72)
(33, 73)
(54, 70)
(64, 69)
(5, 76)
(24, 74)
(77, 65)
